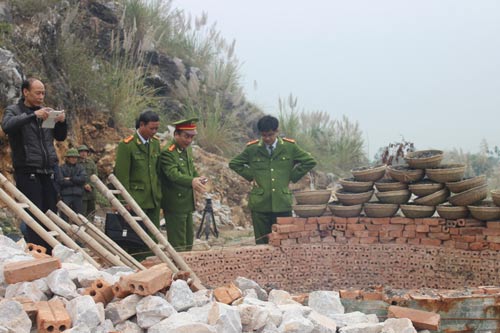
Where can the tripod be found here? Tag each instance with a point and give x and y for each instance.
(207, 229)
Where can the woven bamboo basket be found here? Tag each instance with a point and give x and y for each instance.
(394, 197)
(369, 174)
(340, 210)
(376, 209)
(466, 184)
(423, 159)
(425, 187)
(350, 199)
(309, 210)
(446, 173)
(469, 197)
(385, 185)
(485, 211)
(404, 174)
(313, 197)
(355, 186)
(433, 199)
(417, 211)
(495, 196)
(450, 212)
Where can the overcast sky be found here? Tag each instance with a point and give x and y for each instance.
(428, 70)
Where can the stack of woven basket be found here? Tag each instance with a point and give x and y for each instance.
(311, 203)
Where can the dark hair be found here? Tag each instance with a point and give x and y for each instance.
(26, 84)
(146, 117)
(268, 123)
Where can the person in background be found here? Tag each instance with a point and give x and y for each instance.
(32, 149)
(271, 163)
(71, 180)
(179, 180)
(89, 192)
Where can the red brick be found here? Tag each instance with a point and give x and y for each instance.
(433, 221)
(227, 294)
(100, 291)
(284, 228)
(365, 219)
(493, 224)
(430, 242)
(478, 246)
(312, 220)
(381, 220)
(368, 240)
(471, 231)
(439, 235)
(490, 289)
(52, 317)
(373, 233)
(286, 242)
(493, 239)
(414, 241)
(422, 228)
(409, 233)
(454, 231)
(337, 219)
(149, 281)
(340, 226)
(435, 228)
(494, 246)
(284, 220)
(491, 232)
(410, 227)
(360, 234)
(303, 240)
(461, 246)
(422, 320)
(401, 240)
(352, 220)
(356, 227)
(402, 220)
(395, 233)
(353, 240)
(372, 295)
(372, 227)
(324, 219)
(350, 293)
(309, 227)
(30, 270)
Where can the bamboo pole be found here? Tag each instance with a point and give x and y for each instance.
(65, 239)
(100, 236)
(92, 243)
(23, 215)
(133, 223)
(154, 230)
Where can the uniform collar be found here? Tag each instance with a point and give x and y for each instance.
(144, 141)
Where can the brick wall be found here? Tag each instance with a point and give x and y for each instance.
(335, 253)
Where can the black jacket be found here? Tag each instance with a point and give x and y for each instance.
(73, 185)
(32, 146)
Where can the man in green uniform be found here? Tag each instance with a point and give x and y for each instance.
(178, 179)
(89, 192)
(136, 165)
(271, 163)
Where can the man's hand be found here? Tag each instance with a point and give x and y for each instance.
(43, 113)
(61, 117)
(198, 184)
(87, 187)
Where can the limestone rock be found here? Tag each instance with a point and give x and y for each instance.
(105, 327)
(322, 323)
(351, 318)
(200, 313)
(280, 297)
(123, 309)
(180, 295)
(61, 284)
(25, 289)
(151, 310)
(225, 318)
(13, 318)
(401, 325)
(326, 302)
(181, 322)
(294, 320)
(83, 311)
(10, 73)
(67, 255)
(128, 327)
(253, 317)
(243, 284)
(202, 297)
(362, 328)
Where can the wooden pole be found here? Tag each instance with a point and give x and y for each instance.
(19, 196)
(154, 230)
(91, 243)
(100, 236)
(23, 215)
(133, 223)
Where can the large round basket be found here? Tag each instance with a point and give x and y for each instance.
(466, 184)
(349, 199)
(495, 196)
(369, 174)
(394, 197)
(469, 197)
(309, 210)
(433, 199)
(404, 174)
(374, 209)
(450, 212)
(355, 186)
(446, 173)
(387, 184)
(485, 211)
(340, 210)
(425, 187)
(312, 197)
(417, 211)
(423, 159)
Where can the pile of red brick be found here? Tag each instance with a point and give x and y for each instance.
(463, 234)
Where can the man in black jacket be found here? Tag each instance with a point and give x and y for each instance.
(33, 153)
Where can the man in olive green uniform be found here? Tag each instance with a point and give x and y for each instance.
(178, 179)
(136, 165)
(271, 163)
(89, 192)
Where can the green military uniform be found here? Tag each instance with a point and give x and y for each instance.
(270, 197)
(177, 172)
(88, 196)
(136, 167)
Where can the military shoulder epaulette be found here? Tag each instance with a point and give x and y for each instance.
(289, 140)
(156, 137)
(172, 147)
(252, 142)
(128, 139)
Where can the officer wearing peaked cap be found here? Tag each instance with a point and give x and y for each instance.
(89, 193)
(178, 180)
(271, 163)
(136, 165)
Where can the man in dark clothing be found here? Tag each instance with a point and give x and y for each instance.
(71, 179)
(33, 153)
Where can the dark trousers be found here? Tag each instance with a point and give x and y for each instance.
(40, 190)
(89, 209)
(74, 202)
(262, 224)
